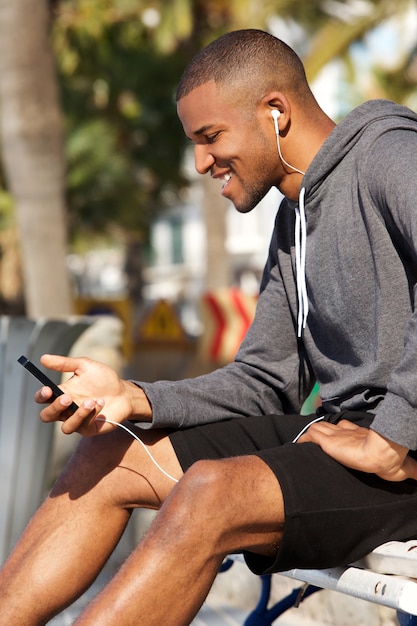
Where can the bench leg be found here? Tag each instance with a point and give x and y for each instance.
(262, 616)
(404, 619)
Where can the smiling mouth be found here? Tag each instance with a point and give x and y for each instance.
(225, 180)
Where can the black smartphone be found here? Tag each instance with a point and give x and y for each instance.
(44, 379)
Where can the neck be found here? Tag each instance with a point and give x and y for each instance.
(299, 149)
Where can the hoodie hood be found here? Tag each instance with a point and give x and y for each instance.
(377, 116)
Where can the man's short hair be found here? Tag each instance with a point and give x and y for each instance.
(246, 59)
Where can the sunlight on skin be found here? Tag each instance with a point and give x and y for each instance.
(362, 449)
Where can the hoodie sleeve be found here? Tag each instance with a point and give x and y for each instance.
(393, 185)
(263, 378)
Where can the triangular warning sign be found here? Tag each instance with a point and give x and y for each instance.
(161, 324)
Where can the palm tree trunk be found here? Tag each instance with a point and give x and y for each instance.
(32, 150)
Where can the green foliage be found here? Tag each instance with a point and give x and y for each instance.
(119, 62)
(6, 205)
(124, 141)
(6, 209)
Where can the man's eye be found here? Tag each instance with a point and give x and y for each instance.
(211, 138)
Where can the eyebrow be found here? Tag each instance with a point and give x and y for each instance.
(203, 129)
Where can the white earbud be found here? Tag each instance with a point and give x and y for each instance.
(276, 114)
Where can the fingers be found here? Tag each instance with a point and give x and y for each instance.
(316, 432)
(362, 449)
(82, 420)
(410, 468)
(61, 363)
(347, 425)
(58, 409)
(319, 430)
(43, 395)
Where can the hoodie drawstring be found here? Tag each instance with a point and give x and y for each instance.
(300, 261)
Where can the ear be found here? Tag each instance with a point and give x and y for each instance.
(275, 100)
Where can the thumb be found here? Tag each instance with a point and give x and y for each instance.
(60, 363)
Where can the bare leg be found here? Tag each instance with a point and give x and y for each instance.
(218, 507)
(76, 529)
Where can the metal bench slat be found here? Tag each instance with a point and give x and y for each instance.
(395, 591)
(394, 557)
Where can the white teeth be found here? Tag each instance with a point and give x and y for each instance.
(225, 180)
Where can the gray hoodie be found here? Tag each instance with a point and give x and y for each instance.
(360, 336)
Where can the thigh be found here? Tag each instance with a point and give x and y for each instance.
(235, 437)
(131, 469)
(334, 515)
(247, 435)
(235, 504)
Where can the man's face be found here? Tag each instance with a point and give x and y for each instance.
(231, 145)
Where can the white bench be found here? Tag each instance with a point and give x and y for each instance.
(25, 441)
(387, 576)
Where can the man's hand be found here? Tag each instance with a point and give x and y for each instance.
(362, 449)
(98, 391)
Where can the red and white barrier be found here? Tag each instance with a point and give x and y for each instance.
(227, 314)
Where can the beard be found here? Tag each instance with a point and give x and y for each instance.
(252, 197)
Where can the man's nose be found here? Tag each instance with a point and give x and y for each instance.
(203, 159)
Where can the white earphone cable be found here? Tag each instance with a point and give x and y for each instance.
(275, 114)
(154, 461)
(306, 427)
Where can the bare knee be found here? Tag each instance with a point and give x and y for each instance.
(205, 482)
(185, 517)
(200, 502)
(227, 505)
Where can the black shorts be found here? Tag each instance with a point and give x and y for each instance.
(333, 515)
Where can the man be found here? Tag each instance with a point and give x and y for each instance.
(238, 468)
